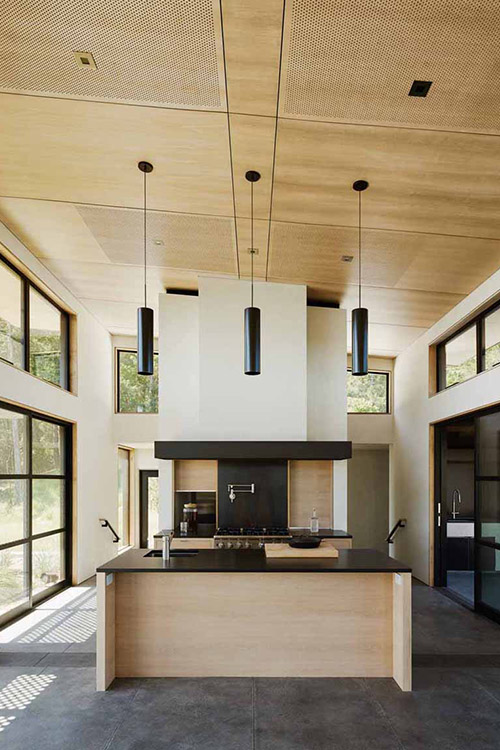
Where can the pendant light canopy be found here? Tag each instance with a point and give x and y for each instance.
(145, 316)
(252, 314)
(360, 314)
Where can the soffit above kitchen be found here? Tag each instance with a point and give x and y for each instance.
(71, 139)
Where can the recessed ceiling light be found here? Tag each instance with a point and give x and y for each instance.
(420, 88)
(85, 60)
(347, 258)
(158, 242)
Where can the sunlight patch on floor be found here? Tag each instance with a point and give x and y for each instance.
(23, 690)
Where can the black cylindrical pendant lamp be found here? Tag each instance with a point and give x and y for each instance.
(252, 314)
(145, 341)
(360, 341)
(145, 315)
(252, 341)
(359, 321)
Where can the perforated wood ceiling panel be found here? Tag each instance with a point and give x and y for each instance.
(204, 243)
(155, 51)
(428, 262)
(355, 60)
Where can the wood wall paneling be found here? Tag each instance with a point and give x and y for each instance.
(311, 486)
(193, 475)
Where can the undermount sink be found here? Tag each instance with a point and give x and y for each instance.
(173, 553)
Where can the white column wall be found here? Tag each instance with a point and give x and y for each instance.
(204, 394)
(235, 406)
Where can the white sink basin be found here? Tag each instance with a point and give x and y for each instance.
(459, 528)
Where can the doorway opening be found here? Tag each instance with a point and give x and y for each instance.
(149, 499)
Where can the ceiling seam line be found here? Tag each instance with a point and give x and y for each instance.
(273, 169)
(226, 84)
(252, 114)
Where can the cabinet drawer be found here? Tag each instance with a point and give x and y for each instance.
(192, 543)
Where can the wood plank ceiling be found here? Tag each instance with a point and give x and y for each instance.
(195, 87)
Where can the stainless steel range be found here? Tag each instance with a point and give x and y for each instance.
(253, 537)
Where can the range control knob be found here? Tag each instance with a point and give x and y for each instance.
(237, 545)
(246, 545)
(261, 545)
(229, 545)
(220, 545)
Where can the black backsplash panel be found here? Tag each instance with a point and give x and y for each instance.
(268, 506)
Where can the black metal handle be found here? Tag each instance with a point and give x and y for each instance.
(399, 525)
(104, 523)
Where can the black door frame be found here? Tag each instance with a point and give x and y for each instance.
(67, 528)
(439, 531)
(144, 475)
(440, 577)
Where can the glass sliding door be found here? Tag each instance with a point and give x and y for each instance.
(35, 508)
(488, 514)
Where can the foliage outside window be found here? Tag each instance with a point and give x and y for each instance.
(473, 349)
(136, 394)
(368, 394)
(34, 332)
(35, 487)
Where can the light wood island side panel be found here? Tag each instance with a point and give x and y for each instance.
(106, 623)
(254, 624)
(402, 630)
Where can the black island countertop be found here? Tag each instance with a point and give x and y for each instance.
(254, 561)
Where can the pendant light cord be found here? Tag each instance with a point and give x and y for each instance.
(251, 236)
(359, 247)
(144, 232)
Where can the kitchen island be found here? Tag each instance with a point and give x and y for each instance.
(240, 614)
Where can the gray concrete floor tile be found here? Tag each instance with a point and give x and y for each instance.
(447, 709)
(320, 714)
(184, 714)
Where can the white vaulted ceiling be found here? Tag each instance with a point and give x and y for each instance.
(193, 87)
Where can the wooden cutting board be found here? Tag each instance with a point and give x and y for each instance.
(283, 550)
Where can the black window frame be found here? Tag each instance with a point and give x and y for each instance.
(66, 528)
(387, 374)
(118, 351)
(26, 285)
(477, 322)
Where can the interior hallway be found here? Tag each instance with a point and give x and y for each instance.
(48, 698)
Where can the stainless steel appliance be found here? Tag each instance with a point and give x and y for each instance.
(252, 537)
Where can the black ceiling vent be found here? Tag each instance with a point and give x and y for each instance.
(420, 88)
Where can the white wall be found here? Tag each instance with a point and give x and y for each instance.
(235, 406)
(91, 410)
(414, 411)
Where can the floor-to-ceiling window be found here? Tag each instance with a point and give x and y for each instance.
(35, 508)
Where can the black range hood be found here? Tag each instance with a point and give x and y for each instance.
(303, 450)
